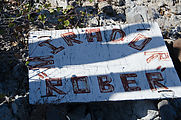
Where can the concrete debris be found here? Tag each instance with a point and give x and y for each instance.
(166, 111)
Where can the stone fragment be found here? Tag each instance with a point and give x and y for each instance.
(177, 10)
(93, 22)
(88, 3)
(136, 14)
(106, 8)
(118, 2)
(58, 3)
(129, 3)
(164, 2)
(167, 112)
(151, 114)
(176, 103)
(145, 109)
(73, 3)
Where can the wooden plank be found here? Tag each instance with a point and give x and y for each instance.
(110, 63)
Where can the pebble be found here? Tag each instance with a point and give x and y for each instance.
(166, 111)
(136, 14)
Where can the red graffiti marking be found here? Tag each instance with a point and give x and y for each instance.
(153, 80)
(43, 62)
(50, 87)
(90, 36)
(163, 69)
(114, 33)
(159, 67)
(156, 54)
(142, 45)
(104, 84)
(126, 82)
(76, 81)
(49, 45)
(42, 75)
(69, 38)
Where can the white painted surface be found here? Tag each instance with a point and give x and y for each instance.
(108, 58)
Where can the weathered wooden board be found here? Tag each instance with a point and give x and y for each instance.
(100, 64)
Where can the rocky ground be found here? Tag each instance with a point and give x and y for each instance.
(14, 52)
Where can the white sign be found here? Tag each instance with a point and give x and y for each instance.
(101, 64)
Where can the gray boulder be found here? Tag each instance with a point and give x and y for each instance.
(167, 112)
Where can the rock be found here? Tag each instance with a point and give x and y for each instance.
(176, 9)
(137, 18)
(58, 3)
(5, 113)
(120, 14)
(177, 48)
(73, 3)
(174, 20)
(88, 3)
(163, 22)
(164, 2)
(151, 114)
(136, 14)
(87, 10)
(129, 3)
(144, 109)
(152, 14)
(167, 112)
(106, 8)
(93, 22)
(109, 22)
(176, 103)
(118, 2)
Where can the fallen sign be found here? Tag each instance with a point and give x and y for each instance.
(110, 63)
